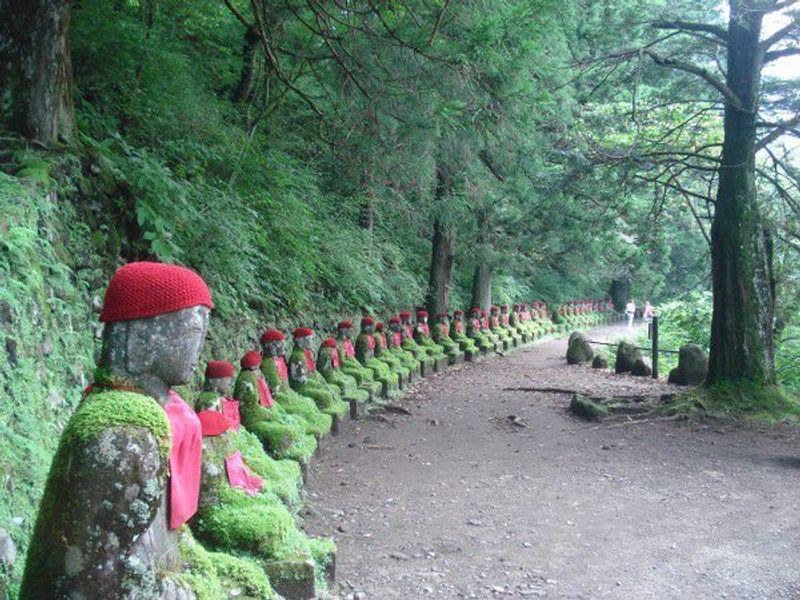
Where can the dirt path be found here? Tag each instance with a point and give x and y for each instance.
(452, 502)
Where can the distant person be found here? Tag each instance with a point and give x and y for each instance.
(648, 312)
(630, 311)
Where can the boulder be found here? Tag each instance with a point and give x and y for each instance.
(627, 354)
(692, 366)
(583, 407)
(600, 362)
(579, 350)
(641, 367)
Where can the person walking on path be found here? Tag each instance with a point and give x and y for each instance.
(648, 312)
(630, 311)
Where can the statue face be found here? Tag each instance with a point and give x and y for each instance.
(276, 348)
(304, 342)
(219, 385)
(367, 328)
(395, 326)
(422, 319)
(167, 346)
(344, 332)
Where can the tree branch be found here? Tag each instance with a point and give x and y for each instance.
(688, 67)
(715, 30)
(776, 37)
(776, 54)
(780, 129)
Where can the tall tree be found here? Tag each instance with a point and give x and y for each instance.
(37, 67)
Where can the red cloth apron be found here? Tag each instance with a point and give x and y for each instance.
(409, 331)
(230, 408)
(240, 476)
(459, 327)
(382, 341)
(349, 350)
(264, 395)
(309, 360)
(505, 319)
(335, 358)
(185, 455)
(280, 365)
(397, 338)
(213, 423)
(423, 327)
(371, 341)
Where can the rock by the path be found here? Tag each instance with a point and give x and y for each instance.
(8, 556)
(641, 367)
(583, 407)
(600, 362)
(579, 350)
(627, 354)
(692, 366)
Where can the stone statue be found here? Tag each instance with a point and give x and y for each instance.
(440, 333)
(505, 324)
(410, 344)
(282, 435)
(276, 374)
(458, 334)
(305, 379)
(126, 475)
(329, 365)
(422, 335)
(394, 362)
(242, 508)
(476, 332)
(496, 327)
(350, 364)
(394, 340)
(365, 354)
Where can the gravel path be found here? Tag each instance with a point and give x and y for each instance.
(456, 501)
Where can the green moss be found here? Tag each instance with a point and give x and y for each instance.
(242, 576)
(205, 401)
(282, 477)
(198, 569)
(586, 409)
(737, 400)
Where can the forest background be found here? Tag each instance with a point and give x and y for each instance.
(319, 159)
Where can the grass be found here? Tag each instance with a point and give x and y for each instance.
(738, 401)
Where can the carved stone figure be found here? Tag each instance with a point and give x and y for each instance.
(440, 333)
(476, 333)
(365, 354)
(350, 364)
(329, 365)
(458, 333)
(126, 475)
(383, 354)
(394, 340)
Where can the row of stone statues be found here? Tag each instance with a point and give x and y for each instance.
(149, 497)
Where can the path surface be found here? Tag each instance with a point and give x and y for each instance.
(452, 502)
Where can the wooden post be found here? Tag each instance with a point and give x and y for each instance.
(654, 336)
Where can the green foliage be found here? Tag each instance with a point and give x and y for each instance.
(738, 401)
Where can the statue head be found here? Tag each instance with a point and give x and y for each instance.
(251, 361)
(328, 345)
(156, 319)
(405, 317)
(504, 309)
(495, 310)
(443, 319)
(345, 329)
(368, 325)
(422, 316)
(395, 324)
(458, 315)
(379, 328)
(219, 378)
(273, 343)
(477, 313)
(303, 338)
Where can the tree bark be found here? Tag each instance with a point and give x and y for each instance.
(38, 67)
(742, 344)
(620, 292)
(442, 253)
(247, 75)
(482, 286)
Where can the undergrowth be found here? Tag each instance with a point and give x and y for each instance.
(737, 401)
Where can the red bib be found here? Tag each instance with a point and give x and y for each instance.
(349, 350)
(335, 358)
(185, 456)
(230, 408)
(371, 341)
(423, 327)
(310, 360)
(397, 338)
(409, 331)
(280, 365)
(240, 476)
(213, 423)
(459, 326)
(264, 395)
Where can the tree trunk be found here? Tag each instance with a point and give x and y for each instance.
(482, 286)
(247, 75)
(441, 267)
(620, 292)
(741, 250)
(40, 69)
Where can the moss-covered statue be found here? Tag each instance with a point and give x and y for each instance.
(350, 364)
(305, 379)
(365, 354)
(283, 435)
(276, 374)
(126, 476)
(410, 344)
(395, 363)
(496, 327)
(242, 506)
(440, 332)
(505, 323)
(476, 333)
(458, 333)
(422, 335)
(492, 336)
(329, 365)
(515, 321)
(394, 339)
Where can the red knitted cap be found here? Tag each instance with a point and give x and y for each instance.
(140, 290)
(302, 332)
(494, 308)
(394, 321)
(458, 312)
(329, 343)
(217, 369)
(345, 324)
(483, 313)
(504, 307)
(272, 335)
(378, 326)
(421, 314)
(441, 315)
(251, 359)
(367, 321)
(405, 315)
